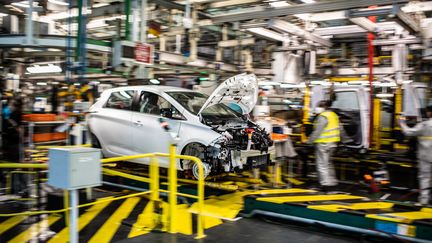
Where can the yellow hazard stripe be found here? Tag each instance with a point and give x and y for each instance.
(280, 191)
(10, 223)
(35, 229)
(353, 206)
(308, 198)
(109, 228)
(85, 219)
(403, 217)
(145, 221)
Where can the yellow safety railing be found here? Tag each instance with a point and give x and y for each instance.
(172, 183)
(306, 109)
(9, 176)
(377, 124)
(153, 181)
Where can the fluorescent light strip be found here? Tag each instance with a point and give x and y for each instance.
(267, 34)
(59, 2)
(279, 4)
(44, 69)
(383, 95)
(268, 83)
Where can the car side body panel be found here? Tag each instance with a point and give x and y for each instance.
(119, 135)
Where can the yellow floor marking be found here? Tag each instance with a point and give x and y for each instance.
(35, 229)
(403, 217)
(229, 205)
(308, 198)
(183, 223)
(210, 222)
(280, 191)
(11, 222)
(148, 220)
(218, 210)
(295, 181)
(145, 221)
(83, 220)
(353, 206)
(223, 207)
(109, 228)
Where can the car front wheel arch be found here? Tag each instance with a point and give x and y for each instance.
(197, 150)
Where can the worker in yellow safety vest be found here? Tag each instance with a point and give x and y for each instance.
(423, 132)
(325, 136)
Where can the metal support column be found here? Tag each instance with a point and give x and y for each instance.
(73, 224)
(135, 20)
(371, 53)
(127, 22)
(306, 108)
(29, 24)
(69, 51)
(377, 124)
(172, 188)
(81, 40)
(142, 71)
(143, 21)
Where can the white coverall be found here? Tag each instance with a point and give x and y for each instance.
(323, 153)
(423, 131)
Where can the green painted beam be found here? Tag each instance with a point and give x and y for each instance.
(127, 24)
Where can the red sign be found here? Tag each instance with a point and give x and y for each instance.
(144, 53)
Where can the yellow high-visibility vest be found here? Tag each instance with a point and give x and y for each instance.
(331, 133)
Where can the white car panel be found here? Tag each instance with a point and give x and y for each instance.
(138, 130)
(241, 89)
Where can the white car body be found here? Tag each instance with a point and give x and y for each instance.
(121, 131)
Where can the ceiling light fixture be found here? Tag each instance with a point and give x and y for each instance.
(268, 83)
(279, 4)
(50, 68)
(154, 81)
(365, 23)
(268, 34)
(308, 1)
(21, 4)
(284, 26)
(384, 95)
(24, 4)
(59, 2)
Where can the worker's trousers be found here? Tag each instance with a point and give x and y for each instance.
(325, 168)
(424, 176)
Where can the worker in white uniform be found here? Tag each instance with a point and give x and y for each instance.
(325, 136)
(423, 132)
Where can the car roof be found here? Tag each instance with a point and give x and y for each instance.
(154, 88)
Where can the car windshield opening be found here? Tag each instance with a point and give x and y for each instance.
(193, 101)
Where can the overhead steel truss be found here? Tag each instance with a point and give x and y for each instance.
(270, 12)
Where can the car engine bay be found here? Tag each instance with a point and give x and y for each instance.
(224, 154)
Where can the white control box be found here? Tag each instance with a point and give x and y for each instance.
(74, 168)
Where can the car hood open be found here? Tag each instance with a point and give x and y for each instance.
(241, 90)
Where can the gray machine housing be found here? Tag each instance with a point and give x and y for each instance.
(74, 168)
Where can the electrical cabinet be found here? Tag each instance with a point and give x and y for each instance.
(74, 168)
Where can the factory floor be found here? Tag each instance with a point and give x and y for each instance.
(251, 230)
(52, 229)
(114, 222)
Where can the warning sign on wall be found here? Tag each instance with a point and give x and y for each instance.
(144, 53)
